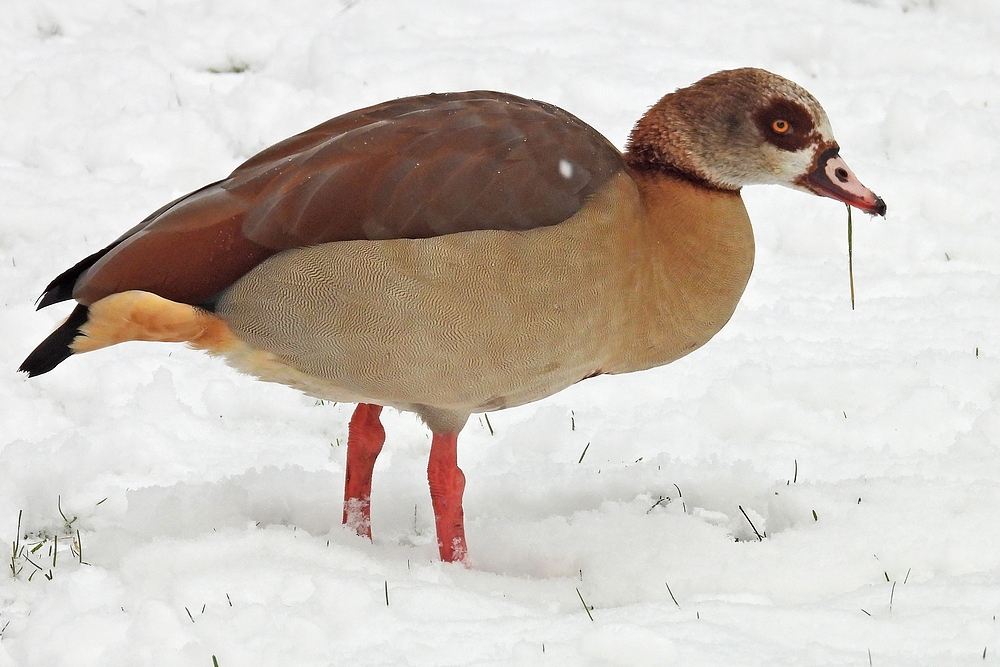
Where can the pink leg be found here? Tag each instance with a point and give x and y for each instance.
(447, 485)
(364, 442)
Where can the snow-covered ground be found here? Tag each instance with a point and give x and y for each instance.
(863, 443)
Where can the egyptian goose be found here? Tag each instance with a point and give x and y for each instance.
(459, 253)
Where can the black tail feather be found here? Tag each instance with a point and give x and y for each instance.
(55, 349)
(61, 288)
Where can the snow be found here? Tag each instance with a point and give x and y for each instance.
(863, 443)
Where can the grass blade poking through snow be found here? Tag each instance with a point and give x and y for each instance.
(672, 595)
(16, 547)
(850, 253)
(584, 603)
(79, 548)
(760, 538)
(680, 496)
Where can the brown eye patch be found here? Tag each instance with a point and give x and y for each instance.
(786, 124)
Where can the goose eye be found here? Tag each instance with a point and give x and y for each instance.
(781, 126)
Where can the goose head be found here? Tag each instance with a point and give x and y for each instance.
(745, 127)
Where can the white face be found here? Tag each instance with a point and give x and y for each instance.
(818, 168)
(795, 131)
(783, 167)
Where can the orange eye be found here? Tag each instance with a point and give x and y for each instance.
(781, 126)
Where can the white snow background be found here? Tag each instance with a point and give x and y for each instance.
(863, 444)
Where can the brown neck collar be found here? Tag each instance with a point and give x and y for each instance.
(647, 164)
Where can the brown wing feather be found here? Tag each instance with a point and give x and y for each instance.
(411, 168)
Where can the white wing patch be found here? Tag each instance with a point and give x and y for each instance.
(565, 168)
